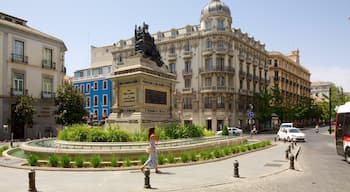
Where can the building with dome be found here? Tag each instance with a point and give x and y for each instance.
(218, 68)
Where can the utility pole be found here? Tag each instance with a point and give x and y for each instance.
(330, 111)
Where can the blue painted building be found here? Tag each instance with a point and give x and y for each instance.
(97, 89)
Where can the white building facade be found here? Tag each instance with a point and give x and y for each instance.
(31, 63)
(218, 68)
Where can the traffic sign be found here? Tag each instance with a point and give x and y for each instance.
(251, 114)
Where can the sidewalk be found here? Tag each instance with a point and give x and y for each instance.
(251, 166)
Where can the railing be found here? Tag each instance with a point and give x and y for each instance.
(218, 69)
(172, 56)
(187, 72)
(208, 105)
(47, 95)
(47, 64)
(242, 74)
(16, 92)
(187, 106)
(187, 54)
(16, 58)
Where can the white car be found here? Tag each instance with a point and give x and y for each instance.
(290, 134)
(231, 131)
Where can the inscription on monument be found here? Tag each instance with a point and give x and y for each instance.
(128, 97)
(155, 97)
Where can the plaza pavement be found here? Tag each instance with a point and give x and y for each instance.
(253, 166)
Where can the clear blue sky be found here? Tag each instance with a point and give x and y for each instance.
(319, 28)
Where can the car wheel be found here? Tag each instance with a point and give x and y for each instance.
(347, 155)
(278, 138)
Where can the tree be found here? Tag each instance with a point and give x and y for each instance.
(24, 110)
(263, 109)
(70, 105)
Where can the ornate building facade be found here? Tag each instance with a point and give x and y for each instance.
(31, 63)
(218, 68)
(292, 79)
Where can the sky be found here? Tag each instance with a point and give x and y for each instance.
(320, 29)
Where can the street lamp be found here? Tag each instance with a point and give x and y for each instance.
(330, 111)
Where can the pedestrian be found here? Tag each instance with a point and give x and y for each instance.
(152, 160)
(316, 128)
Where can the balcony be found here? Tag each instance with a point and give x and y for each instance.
(187, 90)
(207, 51)
(255, 78)
(187, 54)
(172, 56)
(242, 74)
(16, 58)
(242, 56)
(249, 76)
(187, 106)
(256, 62)
(208, 106)
(250, 59)
(276, 78)
(242, 91)
(18, 92)
(217, 70)
(221, 50)
(187, 72)
(47, 64)
(47, 95)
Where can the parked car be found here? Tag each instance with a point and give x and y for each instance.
(231, 131)
(290, 134)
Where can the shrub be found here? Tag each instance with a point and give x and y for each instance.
(249, 147)
(227, 151)
(65, 161)
(127, 162)
(235, 149)
(79, 162)
(97, 135)
(114, 162)
(203, 155)
(218, 153)
(2, 149)
(171, 158)
(143, 159)
(184, 157)
(95, 161)
(33, 160)
(161, 159)
(243, 148)
(193, 156)
(53, 160)
(225, 130)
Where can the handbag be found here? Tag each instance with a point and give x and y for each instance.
(148, 149)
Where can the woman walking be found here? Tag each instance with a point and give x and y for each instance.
(152, 160)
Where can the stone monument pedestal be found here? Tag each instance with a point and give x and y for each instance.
(142, 95)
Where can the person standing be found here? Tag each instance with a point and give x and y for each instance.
(152, 160)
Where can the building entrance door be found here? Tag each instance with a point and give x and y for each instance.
(220, 125)
(209, 125)
(17, 127)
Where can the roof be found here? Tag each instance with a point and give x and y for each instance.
(27, 29)
(344, 108)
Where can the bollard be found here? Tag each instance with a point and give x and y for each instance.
(235, 169)
(31, 176)
(147, 183)
(287, 154)
(291, 161)
(275, 139)
(292, 144)
(295, 143)
(11, 142)
(289, 148)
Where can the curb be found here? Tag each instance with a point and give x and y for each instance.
(133, 167)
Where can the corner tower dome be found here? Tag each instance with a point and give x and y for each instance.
(215, 7)
(216, 16)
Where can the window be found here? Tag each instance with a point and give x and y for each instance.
(95, 117)
(208, 64)
(172, 50)
(105, 114)
(220, 63)
(18, 52)
(173, 33)
(172, 68)
(187, 66)
(221, 81)
(18, 83)
(47, 62)
(208, 81)
(209, 44)
(105, 84)
(81, 88)
(276, 62)
(207, 103)
(221, 44)
(96, 72)
(221, 25)
(187, 47)
(47, 88)
(207, 25)
(248, 85)
(95, 100)
(88, 102)
(187, 103)
(88, 88)
(220, 102)
(241, 84)
(187, 83)
(105, 100)
(95, 86)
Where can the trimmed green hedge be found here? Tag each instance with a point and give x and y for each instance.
(85, 133)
